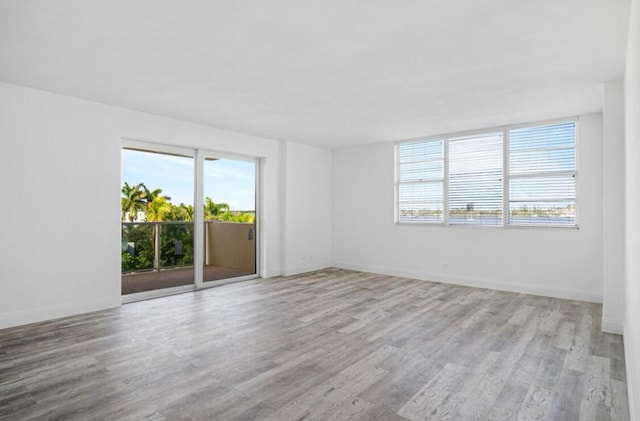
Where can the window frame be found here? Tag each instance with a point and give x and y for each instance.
(506, 214)
(442, 180)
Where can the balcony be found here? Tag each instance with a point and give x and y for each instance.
(159, 255)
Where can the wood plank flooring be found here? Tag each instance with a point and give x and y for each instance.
(332, 344)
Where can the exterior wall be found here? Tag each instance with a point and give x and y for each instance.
(555, 262)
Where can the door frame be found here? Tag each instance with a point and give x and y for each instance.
(198, 155)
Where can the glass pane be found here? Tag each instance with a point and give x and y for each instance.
(550, 188)
(543, 213)
(229, 214)
(537, 161)
(421, 212)
(157, 220)
(429, 192)
(420, 151)
(421, 178)
(417, 171)
(475, 180)
(553, 136)
(542, 186)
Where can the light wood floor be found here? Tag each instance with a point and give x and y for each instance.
(332, 344)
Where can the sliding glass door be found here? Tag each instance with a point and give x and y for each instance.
(188, 219)
(229, 187)
(157, 219)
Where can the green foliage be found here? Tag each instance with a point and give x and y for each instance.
(212, 210)
(133, 200)
(237, 217)
(131, 263)
(176, 246)
(181, 212)
(158, 209)
(222, 212)
(176, 240)
(139, 255)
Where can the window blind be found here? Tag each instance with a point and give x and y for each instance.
(507, 176)
(542, 175)
(475, 180)
(421, 181)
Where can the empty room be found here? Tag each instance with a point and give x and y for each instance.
(320, 210)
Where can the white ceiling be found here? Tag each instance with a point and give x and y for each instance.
(331, 73)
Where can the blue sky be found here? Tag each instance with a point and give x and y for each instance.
(225, 180)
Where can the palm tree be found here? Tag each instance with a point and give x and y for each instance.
(181, 212)
(214, 210)
(157, 210)
(150, 195)
(133, 200)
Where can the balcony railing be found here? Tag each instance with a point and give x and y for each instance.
(156, 245)
(150, 249)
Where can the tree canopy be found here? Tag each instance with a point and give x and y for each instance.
(156, 207)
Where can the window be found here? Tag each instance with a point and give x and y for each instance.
(475, 180)
(514, 176)
(542, 175)
(421, 181)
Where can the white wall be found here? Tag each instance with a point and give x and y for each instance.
(632, 189)
(613, 207)
(60, 190)
(307, 208)
(556, 262)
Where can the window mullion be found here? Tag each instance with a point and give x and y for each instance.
(506, 174)
(445, 182)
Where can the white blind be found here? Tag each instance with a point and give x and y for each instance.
(542, 175)
(420, 181)
(475, 180)
(507, 176)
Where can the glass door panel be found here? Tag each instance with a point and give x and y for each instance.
(229, 190)
(157, 220)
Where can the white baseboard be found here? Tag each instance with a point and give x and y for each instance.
(41, 314)
(270, 273)
(546, 291)
(305, 268)
(629, 366)
(612, 326)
